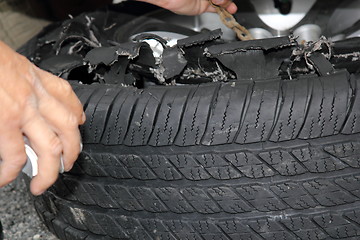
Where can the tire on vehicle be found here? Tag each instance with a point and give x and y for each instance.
(266, 148)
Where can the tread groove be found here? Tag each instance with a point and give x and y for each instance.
(307, 107)
(131, 116)
(245, 109)
(108, 114)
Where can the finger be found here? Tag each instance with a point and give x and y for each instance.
(12, 151)
(65, 124)
(63, 92)
(47, 146)
(228, 5)
(210, 9)
(232, 8)
(223, 3)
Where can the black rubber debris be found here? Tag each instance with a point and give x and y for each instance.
(147, 36)
(60, 64)
(116, 75)
(104, 55)
(322, 65)
(88, 50)
(262, 44)
(173, 62)
(200, 38)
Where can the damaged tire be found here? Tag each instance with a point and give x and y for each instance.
(265, 147)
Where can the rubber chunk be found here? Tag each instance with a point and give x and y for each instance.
(249, 60)
(200, 38)
(105, 55)
(145, 56)
(321, 64)
(173, 61)
(130, 49)
(58, 64)
(262, 44)
(76, 30)
(149, 36)
(116, 75)
(253, 61)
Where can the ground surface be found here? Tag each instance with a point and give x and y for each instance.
(18, 216)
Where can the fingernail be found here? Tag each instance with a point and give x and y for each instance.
(218, 1)
(62, 168)
(83, 117)
(38, 192)
(70, 167)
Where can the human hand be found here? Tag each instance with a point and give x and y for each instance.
(42, 107)
(193, 7)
